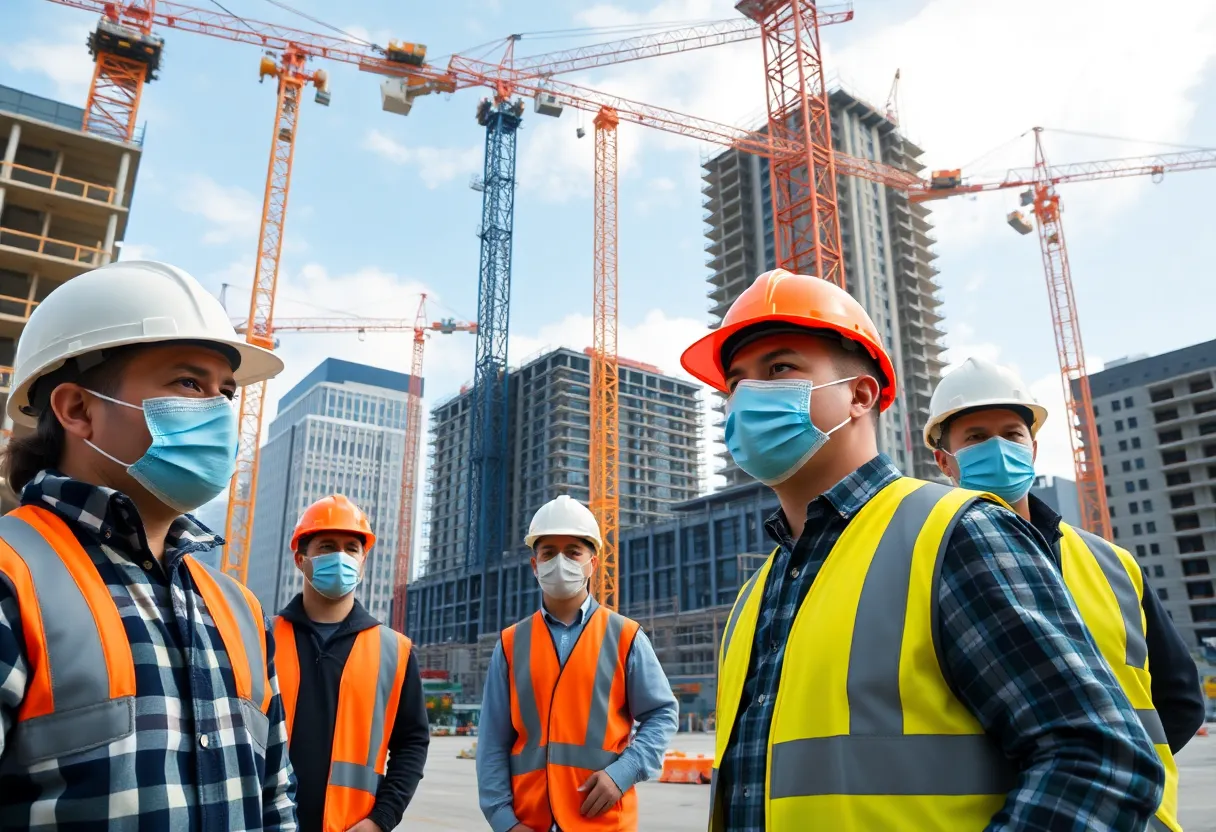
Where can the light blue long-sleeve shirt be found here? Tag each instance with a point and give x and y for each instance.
(647, 691)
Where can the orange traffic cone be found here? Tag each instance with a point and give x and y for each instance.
(1203, 731)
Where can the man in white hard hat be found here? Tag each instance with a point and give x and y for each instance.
(563, 691)
(983, 427)
(137, 685)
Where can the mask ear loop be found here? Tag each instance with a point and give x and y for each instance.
(104, 397)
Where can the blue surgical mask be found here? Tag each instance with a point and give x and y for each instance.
(769, 432)
(193, 450)
(997, 466)
(335, 574)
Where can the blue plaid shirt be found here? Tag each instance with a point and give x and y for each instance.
(1016, 654)
(162, 778)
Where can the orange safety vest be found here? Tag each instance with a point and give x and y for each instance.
(81, 689)
(368, 697)
(570, 720)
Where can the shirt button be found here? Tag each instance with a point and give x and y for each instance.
(761, 698)
(747, 792)
(772, 646)
(106, 534)
(203, 741)
(794, 572)
(147, 564)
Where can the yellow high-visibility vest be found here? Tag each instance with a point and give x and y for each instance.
(1108, 588)
(866, 734)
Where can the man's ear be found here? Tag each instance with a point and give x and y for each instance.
(1034, 449)
(866, 393)
(72, 406)
(944, 462)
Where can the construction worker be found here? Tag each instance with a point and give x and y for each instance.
(350, 683)
(137, 684)
(982, 428)
(563, 691)
(908, 657)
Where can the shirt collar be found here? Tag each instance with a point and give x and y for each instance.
(584, 610)
(111, 516)
(1045, 520)
(845, 498)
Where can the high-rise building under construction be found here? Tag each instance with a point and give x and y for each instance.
(64, 204)
(888, 262)
(548, 454)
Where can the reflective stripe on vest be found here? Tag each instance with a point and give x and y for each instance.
(866, 733)
(569, 720)
(1108, 588)
(368, 698)
(81, 690)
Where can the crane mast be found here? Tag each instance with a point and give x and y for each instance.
(242, 491)
(605, 378)
(806, 222)
(486, 518)
(409, 472)
(125, 55)
(1079, 406)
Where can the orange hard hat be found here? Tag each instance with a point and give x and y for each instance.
(333, 514)
(797, 300)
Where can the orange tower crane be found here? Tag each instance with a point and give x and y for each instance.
(128, 55)
(605, 379)
(242, 491)
(413, 422)
(1040, 195)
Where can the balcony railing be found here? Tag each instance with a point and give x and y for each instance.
(6, 380)
(50, 246)
(61, 184)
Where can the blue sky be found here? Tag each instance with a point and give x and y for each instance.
(381, 209)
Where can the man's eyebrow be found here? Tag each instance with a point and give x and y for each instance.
(196, 370)
(771, 355)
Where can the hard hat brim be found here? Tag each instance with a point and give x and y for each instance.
(1004, 403)
(703, 359)
(256, 364)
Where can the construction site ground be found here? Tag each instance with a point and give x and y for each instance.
(447, 796)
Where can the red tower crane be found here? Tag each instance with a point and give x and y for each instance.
(1040, 195)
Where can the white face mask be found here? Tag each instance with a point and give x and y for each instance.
(560, 577)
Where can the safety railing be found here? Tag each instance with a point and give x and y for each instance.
(17, 307)
(51, 247)
(60, 184)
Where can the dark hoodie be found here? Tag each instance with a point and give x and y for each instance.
(1176, 694)
(321, 666)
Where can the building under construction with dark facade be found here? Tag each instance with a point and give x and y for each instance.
(549, 454)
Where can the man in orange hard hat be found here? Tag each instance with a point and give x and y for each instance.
(563, 690)
(908, 658)
(356, 716)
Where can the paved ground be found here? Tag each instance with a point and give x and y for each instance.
(447, 798)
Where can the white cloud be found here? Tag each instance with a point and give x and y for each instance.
(1074, 74)
(232, 212)
(135, 251)
(436, 165)
(65, 61)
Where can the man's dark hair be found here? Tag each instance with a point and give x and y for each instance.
(24, 457)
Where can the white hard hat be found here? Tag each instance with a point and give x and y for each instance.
(979, 383)
(128, 302)
(565, 516)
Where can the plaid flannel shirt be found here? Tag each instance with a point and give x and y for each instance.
(1016, 654)
(190, 765)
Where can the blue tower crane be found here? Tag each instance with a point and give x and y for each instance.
(488, 417)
